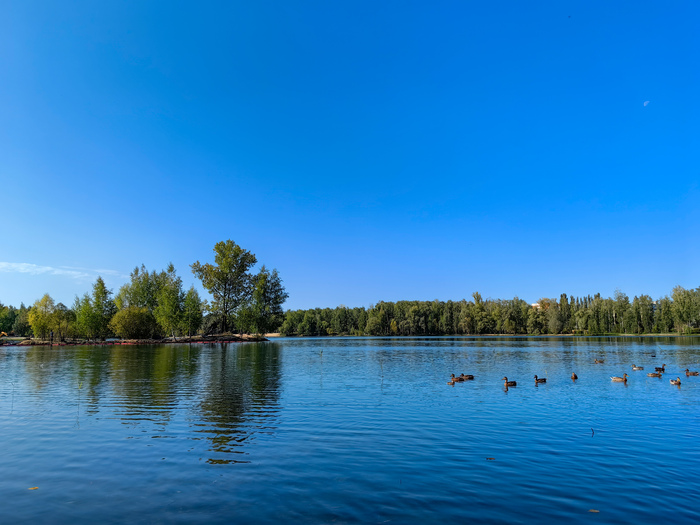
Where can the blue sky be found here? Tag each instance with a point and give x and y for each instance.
(367, 150)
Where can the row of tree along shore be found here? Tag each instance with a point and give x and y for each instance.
(590, 315)
(153, 305)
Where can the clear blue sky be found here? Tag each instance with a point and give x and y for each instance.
(367, 150)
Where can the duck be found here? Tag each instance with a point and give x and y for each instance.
(509, 383)
(458, 379)
(689, 373)
(599, 361)
(622, 379)
(466, 377)
(676, 381)
(635, 367)
(654, 374)
(540, 380)
(661, 368)
(574, 376)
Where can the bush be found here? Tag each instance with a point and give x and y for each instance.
(134, 323)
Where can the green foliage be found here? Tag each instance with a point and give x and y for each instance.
(192, 315)
(686, 308)
(63, 321)
(592, 315)
(21, 326)
(103, 308)
(8, 314)
(227, 280)
(94, 313)
(133, 322)
(141, 291)
(41, 316)
(82, 306)
(169, 301)
(264, 312)
(160, 293)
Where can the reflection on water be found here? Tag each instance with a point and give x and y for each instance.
(241, 400)
(228, 392)
(351, 430)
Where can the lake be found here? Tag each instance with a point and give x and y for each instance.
(351, 430)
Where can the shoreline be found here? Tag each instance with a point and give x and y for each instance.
(131, 342)
(490, 335)
(17, 341)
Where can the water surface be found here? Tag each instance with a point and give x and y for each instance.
(350, 430)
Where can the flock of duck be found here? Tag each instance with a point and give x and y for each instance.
(659, 370)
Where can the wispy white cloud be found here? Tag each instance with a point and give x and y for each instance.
(102, 271)
(65, 271)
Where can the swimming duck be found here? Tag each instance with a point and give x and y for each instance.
(635, 367)
(599, 361)
(509, 383)
(574, 376)
(676, 381)
(689, 373)
(466, 377)
(622, 379)
(458, 379)
(540, 380)
(654, 374)
(661, 368)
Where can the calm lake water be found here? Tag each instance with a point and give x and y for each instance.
(351, 430)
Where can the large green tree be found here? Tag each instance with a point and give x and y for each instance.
(268, 297)
(63, 321)
(21, 324)
(8, 314)
(94, 312)
(170, 297)
(228, 279)
(41, 316)
(192, 316)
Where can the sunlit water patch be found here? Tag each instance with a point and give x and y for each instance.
(350, 430)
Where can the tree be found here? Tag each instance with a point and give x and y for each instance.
(168, 311)
(141, 291)
(555, 323)
(227, 280)
(41, 316)
(686, 308)
(268, 297)
(103, 307)
(192, 317)
(62, 321)
(132, 322)
(93, 313)
(160, 293)
(8, 314)
(82, 306)
(664, 315)
(21, 324)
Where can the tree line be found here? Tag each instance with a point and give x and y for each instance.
(589, 315)
(153, 305)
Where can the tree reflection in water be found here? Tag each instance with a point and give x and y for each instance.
(242, 397)
(225, 393)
